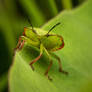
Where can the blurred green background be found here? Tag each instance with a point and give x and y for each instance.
(14, 15)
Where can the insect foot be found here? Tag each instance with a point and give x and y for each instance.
(62, 71)
(49, 78)
(32, 67)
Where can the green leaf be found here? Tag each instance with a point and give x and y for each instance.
(3, 82)
(76, 29)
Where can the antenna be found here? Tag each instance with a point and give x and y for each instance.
(30, 23)
(53, 27)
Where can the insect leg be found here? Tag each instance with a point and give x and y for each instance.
(20, 44)
(22, 40)
(46, 73)
(36, 59)
(33, 61)
(59, 62)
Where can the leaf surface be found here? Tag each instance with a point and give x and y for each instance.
(76, 29)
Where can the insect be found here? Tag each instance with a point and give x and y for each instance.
(45, 42)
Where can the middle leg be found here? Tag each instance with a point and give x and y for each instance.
(46, 73)
(49, 67)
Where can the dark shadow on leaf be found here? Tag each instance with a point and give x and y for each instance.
(28, 53)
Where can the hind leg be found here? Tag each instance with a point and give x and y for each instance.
(59, 62)
(19, 45)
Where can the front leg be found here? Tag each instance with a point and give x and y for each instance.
(36, 59)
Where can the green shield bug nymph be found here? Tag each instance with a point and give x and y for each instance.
(45, 42)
